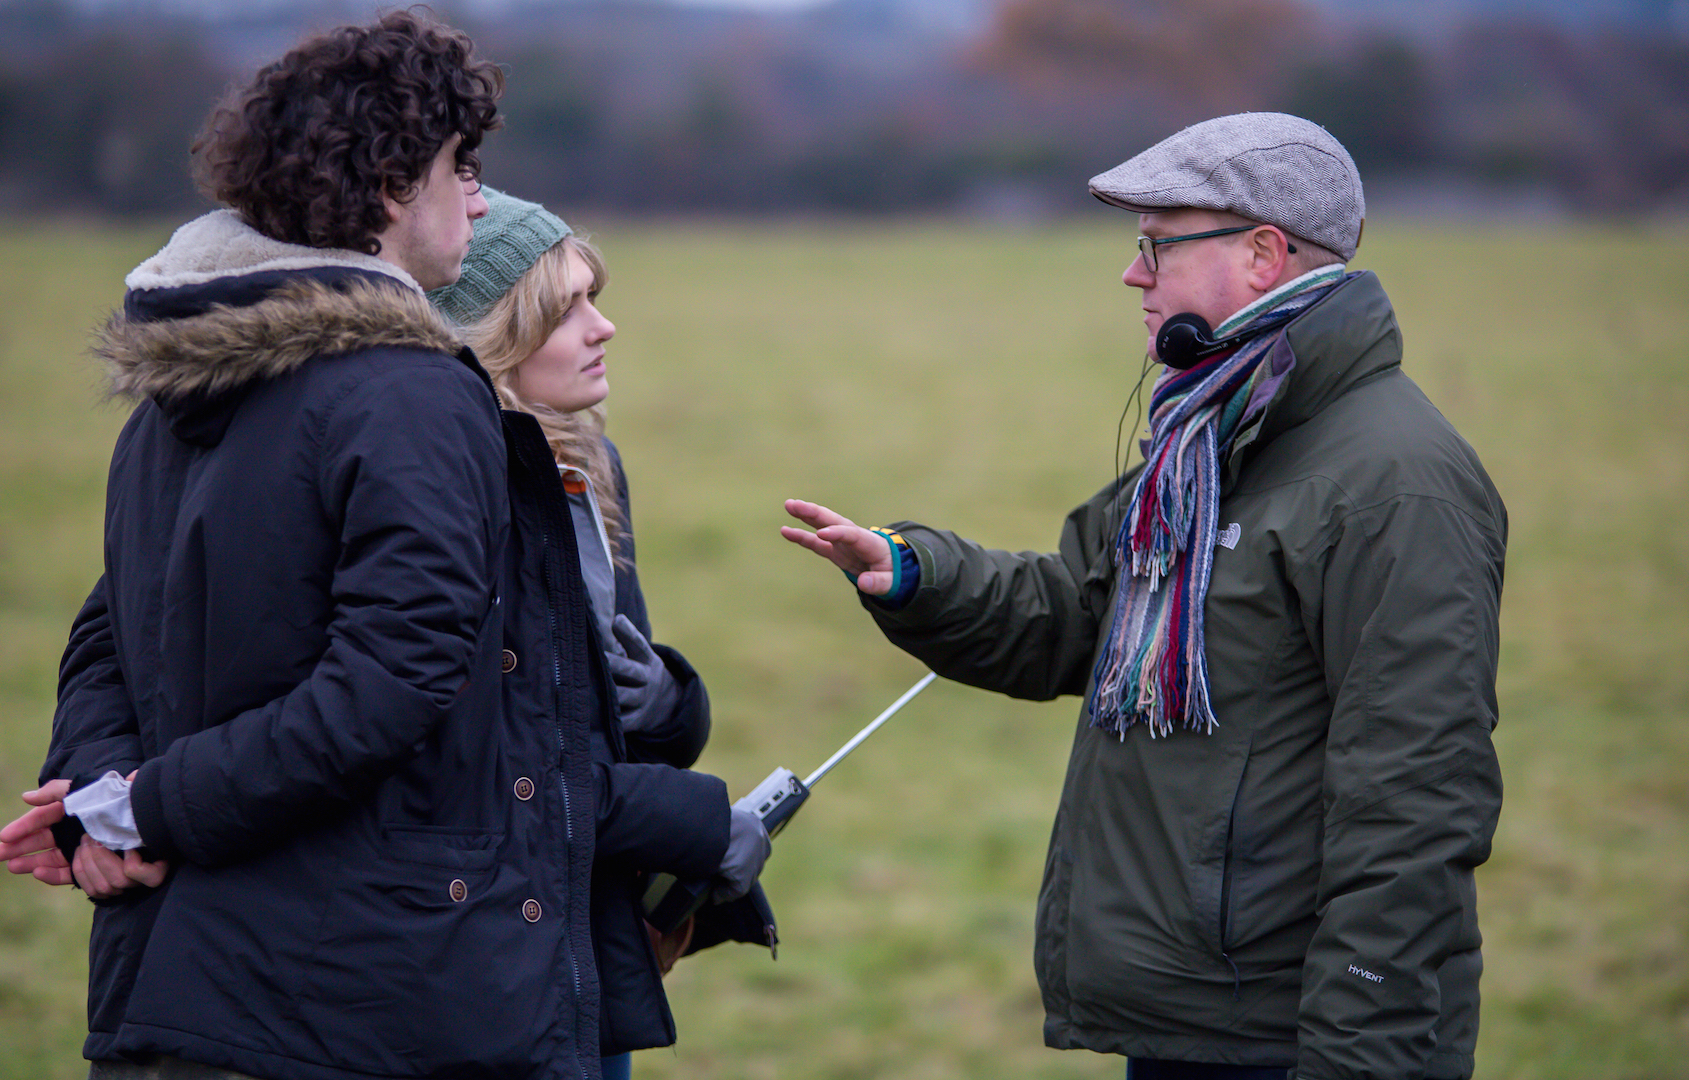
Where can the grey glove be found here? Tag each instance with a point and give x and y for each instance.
(747, 850)
(646, 694)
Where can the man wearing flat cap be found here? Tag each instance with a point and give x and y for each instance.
(1284, 628)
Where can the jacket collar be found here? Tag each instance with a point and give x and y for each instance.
(1348, 337)
(222, 306)
(220, 245)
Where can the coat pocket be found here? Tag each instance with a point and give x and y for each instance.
(441, 847)
(435, 958)
(1215, 879)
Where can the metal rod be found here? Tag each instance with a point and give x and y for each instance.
(872, 727)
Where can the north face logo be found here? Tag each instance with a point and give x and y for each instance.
(1230, 535)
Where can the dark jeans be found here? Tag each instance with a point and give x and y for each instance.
(1154, 1069)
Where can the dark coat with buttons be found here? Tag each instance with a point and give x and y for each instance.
(653, 815)
(635, 1010)
(381, 869)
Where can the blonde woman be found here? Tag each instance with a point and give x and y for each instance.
(527, 305)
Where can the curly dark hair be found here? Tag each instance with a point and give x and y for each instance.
(306, 152)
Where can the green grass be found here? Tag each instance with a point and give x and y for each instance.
(973, 377)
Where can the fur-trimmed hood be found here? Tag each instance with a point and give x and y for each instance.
(222, 305)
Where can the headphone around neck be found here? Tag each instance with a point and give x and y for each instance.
(1186, 339)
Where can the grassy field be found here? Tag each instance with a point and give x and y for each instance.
(973, 377)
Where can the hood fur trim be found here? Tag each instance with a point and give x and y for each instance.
(228, 347)
(219, 244)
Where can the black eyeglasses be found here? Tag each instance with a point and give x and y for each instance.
(1148, 244)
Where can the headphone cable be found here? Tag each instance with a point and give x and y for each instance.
(1136, 395)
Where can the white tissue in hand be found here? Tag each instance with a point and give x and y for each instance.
(106, 813)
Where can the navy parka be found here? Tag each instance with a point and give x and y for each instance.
(380, 868)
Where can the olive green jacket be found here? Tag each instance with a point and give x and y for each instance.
(1297, 887)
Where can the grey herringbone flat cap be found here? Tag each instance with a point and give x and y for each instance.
(1273, 168)
(507, 242)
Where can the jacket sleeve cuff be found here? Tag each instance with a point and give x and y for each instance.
(905, 572)
(67, 836)
(919, 593)
(147, 800)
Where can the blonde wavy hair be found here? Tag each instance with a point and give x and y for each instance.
(514, 329)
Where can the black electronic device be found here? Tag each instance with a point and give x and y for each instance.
(1186, 339)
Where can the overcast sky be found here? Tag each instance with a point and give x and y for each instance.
(750, 3)
(1670, 13)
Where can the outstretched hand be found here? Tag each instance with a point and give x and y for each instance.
(847, 545)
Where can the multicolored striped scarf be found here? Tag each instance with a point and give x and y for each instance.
(1154, 667)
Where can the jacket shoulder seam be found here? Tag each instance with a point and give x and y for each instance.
(1323, 539)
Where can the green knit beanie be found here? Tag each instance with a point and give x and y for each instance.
(509, 240)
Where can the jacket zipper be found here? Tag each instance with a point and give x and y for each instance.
(563, 780)
(562, 752)
(1226, 893)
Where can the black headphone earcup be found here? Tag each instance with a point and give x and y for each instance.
(1180, 340)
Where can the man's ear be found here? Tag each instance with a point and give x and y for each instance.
(1268, 254)
(395, 208)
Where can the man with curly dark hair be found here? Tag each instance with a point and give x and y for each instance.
(320, 848)
(327, 139)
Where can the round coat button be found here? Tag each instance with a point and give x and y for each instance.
(531, 911)
(509, 661)
(459, 891)
(524, 788)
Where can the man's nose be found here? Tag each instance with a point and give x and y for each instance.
(476, 205)
(1137, 274)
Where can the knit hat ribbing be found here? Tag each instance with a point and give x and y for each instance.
(507, 241)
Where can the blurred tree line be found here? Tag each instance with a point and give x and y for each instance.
(855, 106)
